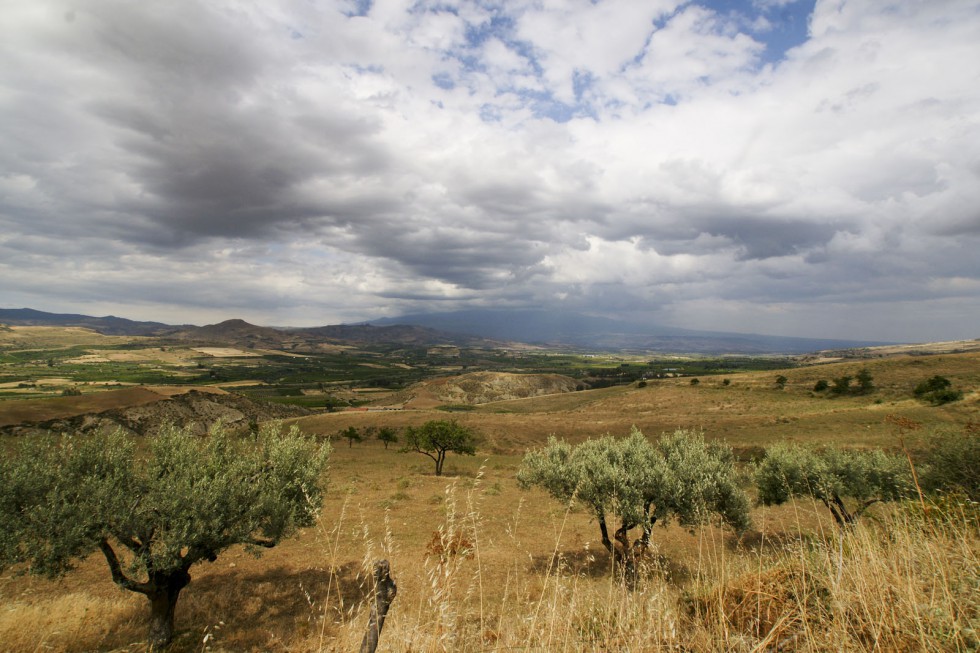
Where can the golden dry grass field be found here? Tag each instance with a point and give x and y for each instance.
(751, 411)
(482, 565)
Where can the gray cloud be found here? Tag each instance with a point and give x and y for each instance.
(293, 164)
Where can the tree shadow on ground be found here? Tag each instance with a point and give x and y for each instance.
(599, 564)
(243, 610)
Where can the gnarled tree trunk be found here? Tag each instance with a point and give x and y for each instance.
(384, 593)
(163, 604)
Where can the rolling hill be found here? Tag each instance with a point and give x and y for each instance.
(476, 328)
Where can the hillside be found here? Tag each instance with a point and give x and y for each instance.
(109, 325)
(141, 411)
(240, 333)
(478, 388)
(474, 554)
(476, 329)
(750, 411)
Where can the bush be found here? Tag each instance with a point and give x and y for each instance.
(842, 385)
(937, 391)
(952, 463)
(821, 385)
(865, 382)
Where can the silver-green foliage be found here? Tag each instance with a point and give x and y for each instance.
(952, 462)
(830, 475)
(154, 516)
(681, 477)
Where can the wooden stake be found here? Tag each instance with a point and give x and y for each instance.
(384, 593)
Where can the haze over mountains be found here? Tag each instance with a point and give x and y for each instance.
(463, 328)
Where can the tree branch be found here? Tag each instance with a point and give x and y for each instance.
(601, 518)
(258, 541)
(833, 511)
(848, 517)
(118, 577)
(864, 506)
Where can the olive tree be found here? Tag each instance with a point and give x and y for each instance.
(438, 437)
(830, 475)
(154, 516)
(388, 435)
(351, 434)
(952, 462)
(641, 484)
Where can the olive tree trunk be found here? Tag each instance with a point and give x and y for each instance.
(163, 604)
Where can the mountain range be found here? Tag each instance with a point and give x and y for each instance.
(609, 334)
(473, 328)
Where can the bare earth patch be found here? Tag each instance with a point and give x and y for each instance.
(224, 352)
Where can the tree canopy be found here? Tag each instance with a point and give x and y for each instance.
(681, 477)
(436, 438)
(937, 390)
(351, 434)
(830, 475)
(388, 435)
(154, 517)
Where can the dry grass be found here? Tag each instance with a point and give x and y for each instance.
(27, 338)
(484, 566)
(748, 413)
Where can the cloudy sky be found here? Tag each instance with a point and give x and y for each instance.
(788, 167)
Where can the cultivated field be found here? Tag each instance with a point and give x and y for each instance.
(482, 565)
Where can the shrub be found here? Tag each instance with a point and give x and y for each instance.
(842, 385)
(821, 385)
(937, 391)
(865, 382)
(952, 462)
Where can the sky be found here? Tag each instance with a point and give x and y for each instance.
(786, 167)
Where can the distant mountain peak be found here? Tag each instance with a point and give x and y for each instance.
(235, 323)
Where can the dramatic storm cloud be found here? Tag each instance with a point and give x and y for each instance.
(774, 166)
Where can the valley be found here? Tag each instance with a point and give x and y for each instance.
(523, 568)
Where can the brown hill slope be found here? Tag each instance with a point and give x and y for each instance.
(750, 411)
(478, 388)
(141, 411)
(242, 334)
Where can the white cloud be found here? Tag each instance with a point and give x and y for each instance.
(287, 159)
